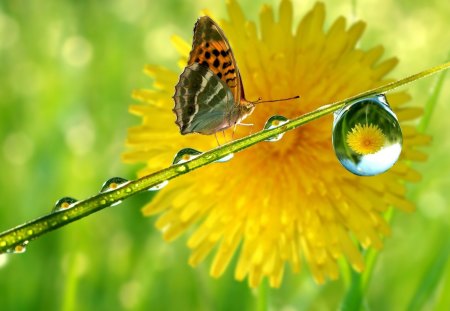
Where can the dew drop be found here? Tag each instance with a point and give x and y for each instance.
(113, 183)
(185, 155)
(367, 137)
(116, 203)
(273, 122)
(159, 186)
(64, 203)
(18, 249)
(226, 158)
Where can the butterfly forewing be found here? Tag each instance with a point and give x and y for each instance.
(211, 48)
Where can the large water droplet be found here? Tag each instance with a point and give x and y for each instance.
(159, 186)
(273, 122)
(64, 203)
(185, 155)
(367, 137)
(113, 183)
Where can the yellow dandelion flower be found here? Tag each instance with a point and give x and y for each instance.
(365, 139)
(277, 202)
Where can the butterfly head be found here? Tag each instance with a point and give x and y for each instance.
(247, 107)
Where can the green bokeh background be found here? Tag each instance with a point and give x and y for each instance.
(67, 69)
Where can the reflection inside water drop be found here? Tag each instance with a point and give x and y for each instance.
(273, 122)
(185, 155)
(367, 137)
(64, 203)
(113, 183)
(18, 249)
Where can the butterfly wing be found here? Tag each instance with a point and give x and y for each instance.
(203, 102)
(211, 49)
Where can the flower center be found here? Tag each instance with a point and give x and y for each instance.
(365, 139)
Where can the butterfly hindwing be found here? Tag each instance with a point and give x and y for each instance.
(203, 102)
(211, 49)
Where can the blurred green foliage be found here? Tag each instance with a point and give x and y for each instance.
(67, 70)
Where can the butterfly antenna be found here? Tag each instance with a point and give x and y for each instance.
(259, 101)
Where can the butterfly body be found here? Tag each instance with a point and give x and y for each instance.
(209, 97)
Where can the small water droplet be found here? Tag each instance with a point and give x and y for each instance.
(185, 155)
(367, 137)
(226, 158)
(113, 183)
(159, 186)
(116, 203)
(273, 122)
(64, 203)
(18, 249)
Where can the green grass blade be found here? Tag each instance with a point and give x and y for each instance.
(431, 279)
(432, 101)
(443, 301)
(354, 297)
(263, 296)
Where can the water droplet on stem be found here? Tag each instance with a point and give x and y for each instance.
(226, 158)
(159, 186)
(64, 203)
(273, 122)
(185, 155)
(367, 137)
(113, 183)
(18, 249)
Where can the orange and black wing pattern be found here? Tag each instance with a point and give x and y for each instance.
(210, 48)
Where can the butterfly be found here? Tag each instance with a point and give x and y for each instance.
(209, 96)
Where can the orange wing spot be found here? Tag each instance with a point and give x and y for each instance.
(223, 64)
(216, 55)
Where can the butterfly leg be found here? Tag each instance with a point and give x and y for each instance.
(234, 131)
(217, 140)
(224, 137)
